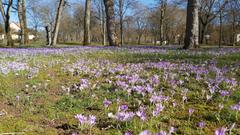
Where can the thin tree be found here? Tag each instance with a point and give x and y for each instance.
(121, 3)
(23, 22)
(163, 8)
(6, 18)
(220, 29)
(141, 27)
(24, 17)
(209, 10)
(192, 25)
(87, 18)
(110, 16)
(57, 21)
(20, 17)
(123, 7)
(103, 22)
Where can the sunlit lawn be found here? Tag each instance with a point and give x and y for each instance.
(118, 91)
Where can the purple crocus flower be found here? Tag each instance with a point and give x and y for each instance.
(171, 130)
(82, 119)
(141, 114)
(123, 108)
(145, 132)
(158, 109)
(190, 111)
(124, 116)
(162, 133)
(224, 93)
(128, 133)
(17, 98)
(201, 124)
(106, 103)
(236, 107)
(221, 131)
(92, 120)
(174, 104)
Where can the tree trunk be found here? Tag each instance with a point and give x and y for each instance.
(234, 29)
(103, 31)
(36, 32)
(24, 17)
(87, 18)
(48, 35)
(6, 19)
(103, 23)
(203, 32)
(220, 31)
(121, 20)
(20, 17)
(57, 22)
(163, 4)
(139, 39)
(192, 26)
(161, 32)
(110, 15)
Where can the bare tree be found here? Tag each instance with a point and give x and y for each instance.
(24, 17)
(87, 18)
(57, 21)
(141, 19)
(163, 8)
(208, 11)
(120, 5)
(6, 18)
(234, 19)
(123, 7)
(23, 22)
(20, 16)
(110, 16)
(101, 16)
(192, 25)
(78, 16)
(35, 19)
(141, 27)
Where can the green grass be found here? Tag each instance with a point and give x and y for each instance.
(49, 110)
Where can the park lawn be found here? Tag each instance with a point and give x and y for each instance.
(126, 89)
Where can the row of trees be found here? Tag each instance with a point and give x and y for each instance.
(204, 13)
(127, 21)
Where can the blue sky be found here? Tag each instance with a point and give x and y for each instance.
(150, 3)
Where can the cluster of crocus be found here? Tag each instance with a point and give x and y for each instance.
(147, 132)
(84, 84)
(224, 93)
(158, 98)
(86, 120)
(159, 108)
(124, 116)
(136, 81)
(236, 107)
(141, 113)
(139, 80)
(9, 66)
